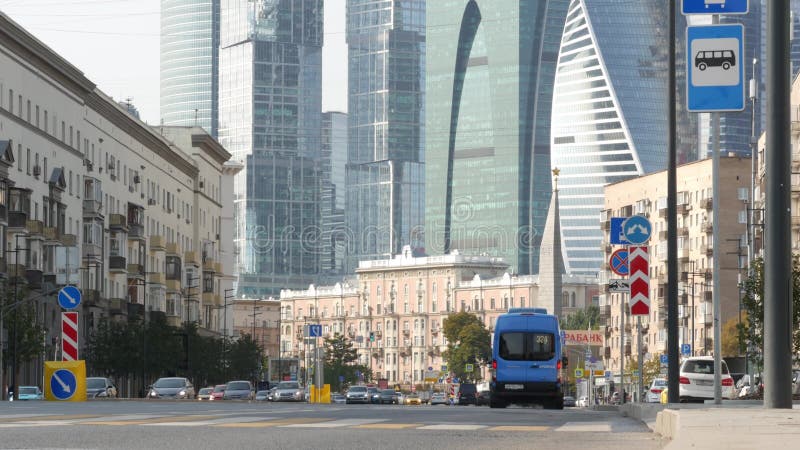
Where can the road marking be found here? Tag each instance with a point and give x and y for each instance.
(58, 417)
(269, 423)
(388, 426)
(453, 426)
(519, 428)
(223, 420)
(335, 423)
(601, 427)
(156, 419)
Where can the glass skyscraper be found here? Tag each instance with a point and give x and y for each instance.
(332, 200)
(609, 109)
(385, 182)
(270, 120)
(190, 63)
(489, 86)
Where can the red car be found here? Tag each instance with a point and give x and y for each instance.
(219, 391)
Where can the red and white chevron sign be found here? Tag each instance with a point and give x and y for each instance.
(639, 266)
(69, 336)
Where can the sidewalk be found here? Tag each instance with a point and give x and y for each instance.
(732, 425)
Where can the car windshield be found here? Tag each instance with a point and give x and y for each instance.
(358, 389)
(702, 366)
(523, 346)
(219, 388)
(262, 392)
(95, 383)
(288, 385)
(387, 392)
(27, 390)
(205, 391)
(659, 383)
(238, 386)
(170, 383)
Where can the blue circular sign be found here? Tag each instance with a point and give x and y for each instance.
(637, 230)
(63, 384)
(69, 297)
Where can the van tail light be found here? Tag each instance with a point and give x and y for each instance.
(494, 364)
(683, 380)
(727, 381)
(558, 365)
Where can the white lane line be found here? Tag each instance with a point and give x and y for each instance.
(209, 422)
(452, 426)
(602, 427)
(335, 423)
(123, 417)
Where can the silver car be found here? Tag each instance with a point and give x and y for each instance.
(172, 388)
(289, 391)
(238, 390)
(100, 387)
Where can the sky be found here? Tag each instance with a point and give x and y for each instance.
(115, 43)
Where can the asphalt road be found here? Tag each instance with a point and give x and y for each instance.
(241, 425)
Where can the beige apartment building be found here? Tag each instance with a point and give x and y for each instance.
(404, 301)
(647, 196)
(259, 319)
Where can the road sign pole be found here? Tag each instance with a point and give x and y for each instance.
(715, 252)
(672, 220)
(641, 356)
(778, 256)
(622, 347)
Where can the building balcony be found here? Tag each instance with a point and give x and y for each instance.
(708, 227)
(52, 236)
(90, 298)
(708, 296)
(683, 299)
(605, 311)
(707, 249)
(16, 271)
(35, 227)
(662, 210)
(683, 231)
(118, 222)
(218, 268)
(92, 208)
(174, 321)
(157, 243)
(173, 285)
(117, 264)
(17, 219)
(208, 298)
(69, 240)
(377, 353)
(34, 278)
(405, 350)
(135, 270)
(191, 258)
(118, 306)
(135, 232)
(683, 253)
(92, 251)
(156, 278)
(605, 225)
(708, 203)
(662, 235)
(795, 220)
(208, 265)
(684, 209)
(172, 248)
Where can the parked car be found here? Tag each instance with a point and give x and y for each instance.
(439, 398)
(654, 393)
(413, 399)
(569, 400)
(29, 393)
(467, 394)
(387, 396)
(238, 390)
(271, 393)
(482, 394)
(218, 393)
(583, 402)
(374, 395)
(696, 380)
(289, 391)
(261, 396)
(338, 398)
(748, 385)
(615, 398)
(796, 381)
(100, 387)
(205, 393)
(172, 388)
(357, 394)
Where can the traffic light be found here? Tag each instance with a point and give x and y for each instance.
(372, 336)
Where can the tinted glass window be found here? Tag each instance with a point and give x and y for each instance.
(288, 385)
(358, 389)
(240, 386)
(27, 390)
(170, 383)
(219, 388)
(702, 367)
(520, 346)
(95, 383)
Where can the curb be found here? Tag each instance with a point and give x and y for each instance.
(668, 423)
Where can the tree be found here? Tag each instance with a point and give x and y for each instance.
(340, 360)
(582, 319)
(25, 333)
(651, 368)
(244, 356)
(468, 342)
(731, 339)
(752, 328)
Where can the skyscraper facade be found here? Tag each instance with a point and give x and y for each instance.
(270, 105)
(608, 114)
(190, 63)
(385, 184)
(332, 197)
(489, 86)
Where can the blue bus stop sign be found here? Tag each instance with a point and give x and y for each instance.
(63, 384)
(714, 68)
(714, 7)
(69, 297)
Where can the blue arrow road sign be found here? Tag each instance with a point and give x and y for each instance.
(617, 236)
(714, 7)
(686, 349)
(715, 69)
(69, 297)
(664, 359)
(637, 229)
(63, 384)
(315, 331)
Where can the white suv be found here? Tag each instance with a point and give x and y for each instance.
(696, 380)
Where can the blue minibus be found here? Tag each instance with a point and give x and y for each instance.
(527, 360)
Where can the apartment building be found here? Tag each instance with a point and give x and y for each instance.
(647, 196)
(258, 318)
(135, 216)
(404, 301)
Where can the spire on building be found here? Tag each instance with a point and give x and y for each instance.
(551, 260)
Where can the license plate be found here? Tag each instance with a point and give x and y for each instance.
(704, 382)
(515, 386)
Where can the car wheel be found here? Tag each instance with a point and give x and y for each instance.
(726, 65)
(702, 66)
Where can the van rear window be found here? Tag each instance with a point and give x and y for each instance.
(525, 346)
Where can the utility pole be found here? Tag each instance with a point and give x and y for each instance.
(778, 255)
(672, 220)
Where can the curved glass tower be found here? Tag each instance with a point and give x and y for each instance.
(488, 94)
(608, 118)
(189, 63)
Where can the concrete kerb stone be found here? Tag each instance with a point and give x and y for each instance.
(668, 423)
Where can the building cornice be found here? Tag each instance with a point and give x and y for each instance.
(211, 147)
